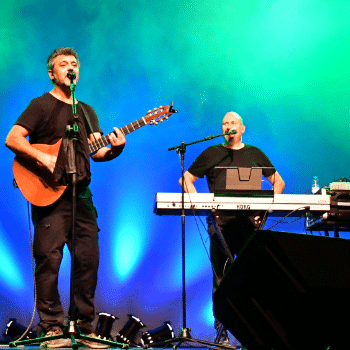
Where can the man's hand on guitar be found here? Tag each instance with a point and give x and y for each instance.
(117, 141)
(48, 161)
(117, 138)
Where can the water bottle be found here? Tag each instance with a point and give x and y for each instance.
(315, 185)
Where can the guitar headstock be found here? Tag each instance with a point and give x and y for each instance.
(158, 115)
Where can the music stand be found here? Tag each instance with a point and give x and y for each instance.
(241, 181)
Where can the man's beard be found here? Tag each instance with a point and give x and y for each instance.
(229, 141)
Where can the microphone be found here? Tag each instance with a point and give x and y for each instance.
(71, 75)
(231, 132)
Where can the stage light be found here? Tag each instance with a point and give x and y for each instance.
(157, 335)
(14, 330)
(104, 325)
(129, 331)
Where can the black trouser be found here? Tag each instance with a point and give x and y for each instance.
(52, 231)
(235, 231)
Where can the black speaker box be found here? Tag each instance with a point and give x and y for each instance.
(288, 291)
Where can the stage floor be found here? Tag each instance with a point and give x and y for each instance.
(37, 347)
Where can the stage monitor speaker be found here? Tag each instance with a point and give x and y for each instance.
(287, 291)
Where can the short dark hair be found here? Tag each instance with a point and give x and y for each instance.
(67, 51)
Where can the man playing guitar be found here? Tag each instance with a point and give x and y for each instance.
(45, 121)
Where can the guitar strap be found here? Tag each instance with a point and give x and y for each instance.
(86, 115)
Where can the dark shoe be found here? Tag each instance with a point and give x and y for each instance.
(56, 343)
(222, 337)
(92, 344)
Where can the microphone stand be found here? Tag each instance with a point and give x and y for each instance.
(73, 134)
(185, 331)
(71, 328)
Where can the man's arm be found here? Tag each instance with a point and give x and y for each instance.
(189, 180)
(16, 141)
(277, 182)
(104, 154)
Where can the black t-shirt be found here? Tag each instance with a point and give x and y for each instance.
(219, 155)
(46, 118)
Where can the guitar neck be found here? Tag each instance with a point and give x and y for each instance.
(104, 140)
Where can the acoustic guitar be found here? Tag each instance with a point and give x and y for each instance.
(37, 184)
